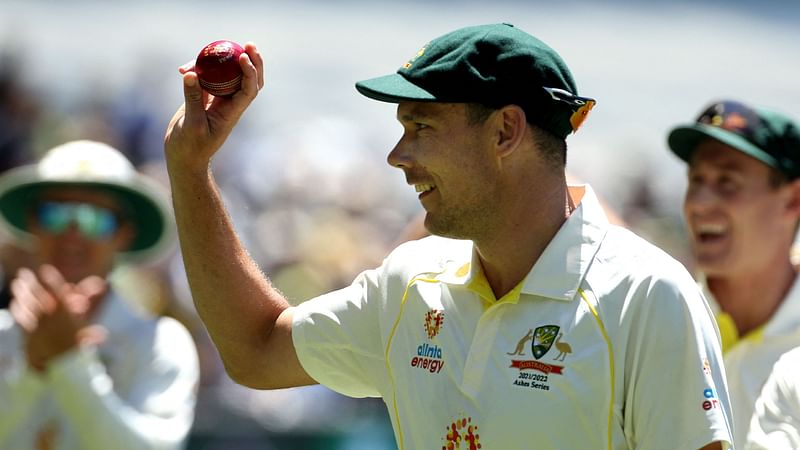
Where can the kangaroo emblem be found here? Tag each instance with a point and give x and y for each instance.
(520, 350)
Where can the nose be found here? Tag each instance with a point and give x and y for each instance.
(400, 156)
(72, 233)
(699, 197)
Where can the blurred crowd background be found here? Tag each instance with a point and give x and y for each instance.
(304, 175)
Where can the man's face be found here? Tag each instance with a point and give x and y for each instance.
(451, 164)
(738, 221)
(79, 231)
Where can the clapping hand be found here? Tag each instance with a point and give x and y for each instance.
(55, 314)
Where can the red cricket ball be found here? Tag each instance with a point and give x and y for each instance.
(217, 68)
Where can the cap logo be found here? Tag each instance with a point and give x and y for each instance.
(730, 116)
(732, 121)
(411, 61)
(580, 105)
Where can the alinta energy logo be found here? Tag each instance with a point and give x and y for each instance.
(429, 356)
(709, 400)
(542, 339)
(462, 434)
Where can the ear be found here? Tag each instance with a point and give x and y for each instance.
(793, 203)
(511, 129)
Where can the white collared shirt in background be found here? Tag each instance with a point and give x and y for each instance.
(135, 391)
(776, 422)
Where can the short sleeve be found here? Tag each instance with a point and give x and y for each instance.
(676, 394)
(338, 338)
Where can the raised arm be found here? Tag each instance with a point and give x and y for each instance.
(248, 320)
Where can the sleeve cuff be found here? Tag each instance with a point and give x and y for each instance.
(78, 366)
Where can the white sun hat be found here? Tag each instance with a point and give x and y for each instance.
(93, 165)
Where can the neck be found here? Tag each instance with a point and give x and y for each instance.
(752, 299)
(512, 250)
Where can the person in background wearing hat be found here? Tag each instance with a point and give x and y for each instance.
(527, 321)
(78, 368)
(742, 207)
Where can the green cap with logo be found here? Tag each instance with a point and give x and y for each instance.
(766, 135)
(494, 65)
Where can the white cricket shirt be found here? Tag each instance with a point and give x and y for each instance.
(136, 391)
(749, 360)
(606, 344)
(776, 421)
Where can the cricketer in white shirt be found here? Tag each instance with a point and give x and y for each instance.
(749, 359)
(607, 343)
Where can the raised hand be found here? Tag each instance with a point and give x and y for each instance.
(200, 126)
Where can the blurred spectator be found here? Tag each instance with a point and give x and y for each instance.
(78, 367)
(19, 111)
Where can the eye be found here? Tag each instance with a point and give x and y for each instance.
(695, 178)
(726, 183)
(420, 126)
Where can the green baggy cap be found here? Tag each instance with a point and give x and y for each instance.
(767, 136)
(494, 65)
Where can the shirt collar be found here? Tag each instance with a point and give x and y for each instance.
(785, 320)
(561, 268)
(558, 272)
